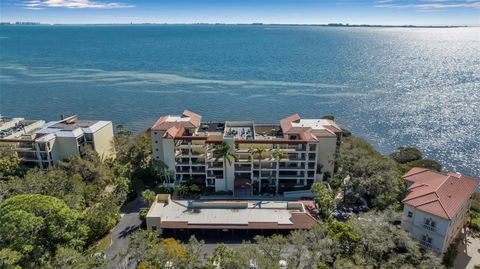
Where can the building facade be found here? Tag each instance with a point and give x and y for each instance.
(43, 144)
(280, 157)
(436, 207)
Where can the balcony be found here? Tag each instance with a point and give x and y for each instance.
(215, 174)
(291, 167)
(425, 244)
(243, 168)
(215, 166)
(265, 166)
(198, 161)
(243, 160)
(429, 227)
(182, 169)
(198, 170)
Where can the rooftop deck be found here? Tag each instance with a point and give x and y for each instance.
(240, 129)
(228, 214)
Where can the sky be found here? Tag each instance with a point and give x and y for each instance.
(387, 12)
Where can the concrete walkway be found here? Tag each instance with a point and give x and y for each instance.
(468, 255)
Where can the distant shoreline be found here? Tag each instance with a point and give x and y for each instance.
(237, 24)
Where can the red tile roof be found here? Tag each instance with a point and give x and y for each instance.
(195, 119)
(440, 194)
(163, 123)
(174, 131)
(286, 124)
(307, 133)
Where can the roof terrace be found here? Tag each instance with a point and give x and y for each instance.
(230, 214)
(240, 129)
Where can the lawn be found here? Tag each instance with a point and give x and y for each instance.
(102, 244)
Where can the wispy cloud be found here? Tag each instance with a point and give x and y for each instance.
(428, 5)
(42, 4)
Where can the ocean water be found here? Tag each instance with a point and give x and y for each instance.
(392, 86)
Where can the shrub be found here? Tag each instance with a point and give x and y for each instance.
(451, 254)
(222, 193)
(476, 203)
(346, 132)
(430, 164)
(474, 222)
(164, 189)
(143, 213)
(406, 154)
(328, 117)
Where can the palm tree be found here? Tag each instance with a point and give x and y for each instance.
(278, 154)
(258, 151)
(223, 151)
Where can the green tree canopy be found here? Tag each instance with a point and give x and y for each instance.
(9, 162)
(68, 258)
(324, 198)
(36, 225)
(425, 163)
(148, 197)
(102, 217)
(372, 175)
(54, 182)
(406, 154)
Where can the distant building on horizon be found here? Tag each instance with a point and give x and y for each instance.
(296, 152)
(43, 144)
(436, 206)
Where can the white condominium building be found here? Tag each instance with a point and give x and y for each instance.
(436, 206)
(44, 144)
(271, 158)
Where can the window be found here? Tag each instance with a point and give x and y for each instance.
(154, 228)
(88, 137)
(155, 133)
(410, 214)
(426, 241)
(429, 224)
(156, 149)
(156, 142)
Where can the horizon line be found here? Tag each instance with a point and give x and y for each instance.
(31, 23)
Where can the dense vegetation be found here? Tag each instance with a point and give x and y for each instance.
(474, 222)
(51, 218)
(368, 174)
(368, 242)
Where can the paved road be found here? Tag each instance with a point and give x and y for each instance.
(129, 223)
(468, 255)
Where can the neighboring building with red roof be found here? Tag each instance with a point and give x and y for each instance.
(166, 214)
(436, 206)
(186, 145)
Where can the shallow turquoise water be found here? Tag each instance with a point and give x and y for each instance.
(391, 86)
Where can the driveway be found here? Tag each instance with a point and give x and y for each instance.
(468, 255)
(129, 223)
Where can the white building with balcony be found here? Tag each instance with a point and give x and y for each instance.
(293, 154)
(436, 207)
(43, 144)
